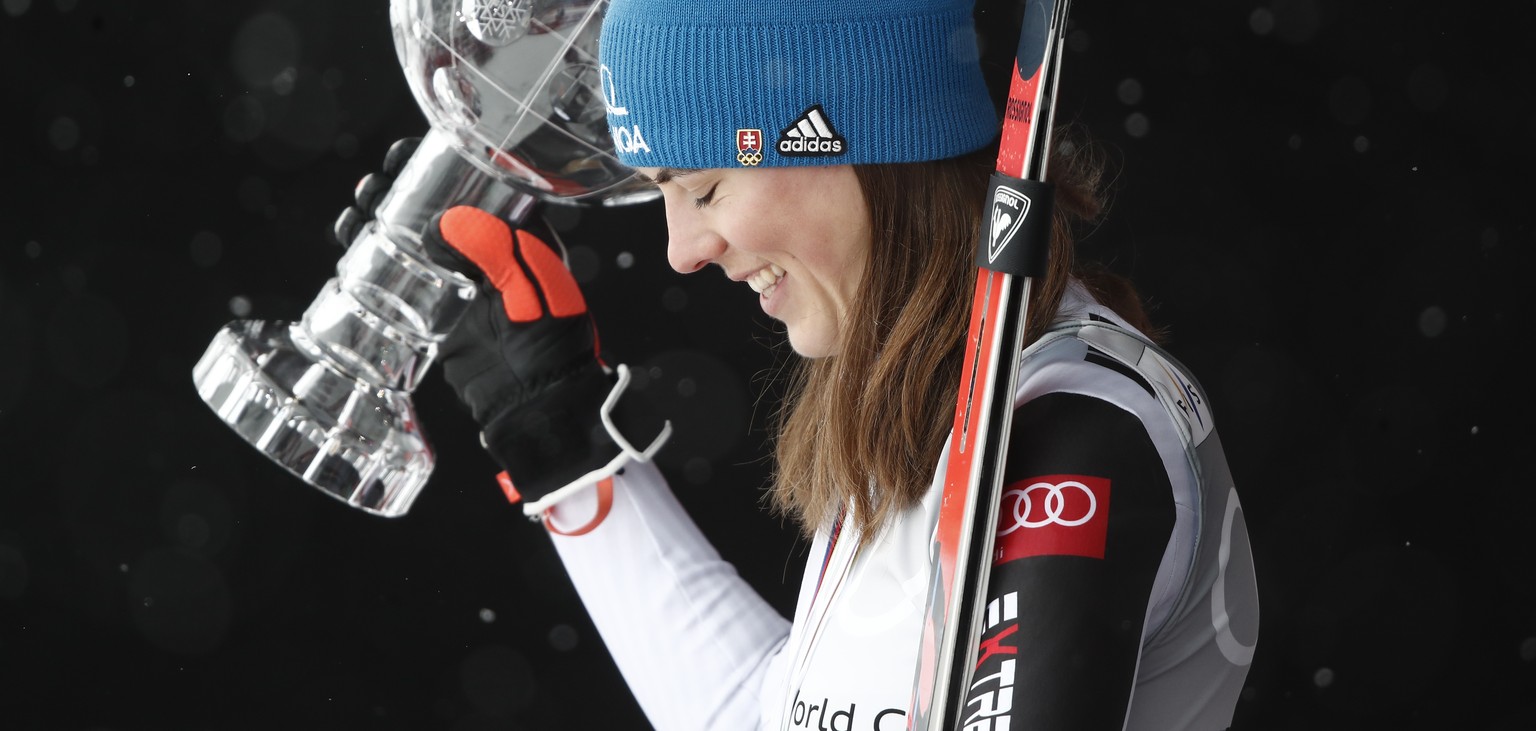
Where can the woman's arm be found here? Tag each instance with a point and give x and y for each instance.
(1087, 514)
(691, 638)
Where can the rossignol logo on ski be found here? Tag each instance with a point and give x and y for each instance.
(1009, 207)
(811, 135)
(749, 146)
(1020, 110)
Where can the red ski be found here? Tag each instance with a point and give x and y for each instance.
(1012, 252)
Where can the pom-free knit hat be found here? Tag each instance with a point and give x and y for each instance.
(720, 84)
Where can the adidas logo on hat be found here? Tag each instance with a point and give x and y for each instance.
(811, 135)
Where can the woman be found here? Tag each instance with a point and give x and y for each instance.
(832, 156)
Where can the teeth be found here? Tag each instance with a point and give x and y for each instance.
(765, 278)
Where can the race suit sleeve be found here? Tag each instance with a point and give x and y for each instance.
(691, 638)
(1086, 515)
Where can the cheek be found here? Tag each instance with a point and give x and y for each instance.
(848, 250)
(752, 232)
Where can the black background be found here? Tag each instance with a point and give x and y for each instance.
(1326, 202)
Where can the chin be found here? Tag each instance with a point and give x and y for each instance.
(811, 344)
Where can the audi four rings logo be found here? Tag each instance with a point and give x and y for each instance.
(1067, 515)
(1066, 504)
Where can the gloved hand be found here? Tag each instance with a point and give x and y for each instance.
(370, 190)
(524, 358)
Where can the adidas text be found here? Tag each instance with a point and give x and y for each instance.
(811, 147)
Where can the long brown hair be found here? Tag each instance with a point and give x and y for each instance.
(864, 428)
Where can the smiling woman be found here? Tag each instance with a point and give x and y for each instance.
(799, 237)
(1122, 571)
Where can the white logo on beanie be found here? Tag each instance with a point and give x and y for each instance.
(626, 139)
(610, 92)
(811, 135)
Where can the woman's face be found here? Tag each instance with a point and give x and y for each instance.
(799, 237)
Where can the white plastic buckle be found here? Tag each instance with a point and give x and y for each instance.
(627, 452)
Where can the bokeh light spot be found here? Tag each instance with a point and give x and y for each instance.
(303, 116)
(179, 602)
(198, 516)
(1261, 21)
(192, 531)
(1137, 125)
(1129, 92)
(1432, 322)
(709, 423)
(284, 81)
(1362, 143)
(1322, 678)
(563, 637)
(584, 263)
(206, 249)
(262, 48)
(562, 218)
(1490, 238)
(64, 133)
(1296, 21)
(16, 8)
(487, 615)
(239, 306)
(1078, 41)
(625, 260)
(674, 299)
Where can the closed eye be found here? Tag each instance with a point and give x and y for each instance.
(706, 198)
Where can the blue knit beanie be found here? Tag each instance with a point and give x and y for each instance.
(727, 83)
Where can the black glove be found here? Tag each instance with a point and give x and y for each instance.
(371, 189)
(524, 358)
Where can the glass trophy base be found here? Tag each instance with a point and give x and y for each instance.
(357, 442)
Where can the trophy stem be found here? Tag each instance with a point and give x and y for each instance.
(328, 397)
(442, 173)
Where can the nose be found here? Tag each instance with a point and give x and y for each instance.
(690, 243)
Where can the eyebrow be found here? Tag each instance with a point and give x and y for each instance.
(666, 174)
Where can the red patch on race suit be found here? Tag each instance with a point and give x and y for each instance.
(1053, 515)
